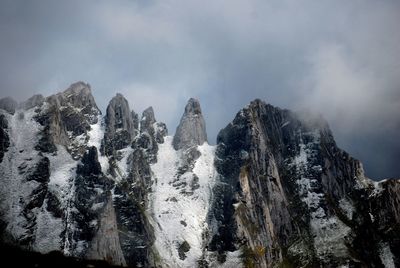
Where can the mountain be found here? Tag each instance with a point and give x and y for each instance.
(275, 191)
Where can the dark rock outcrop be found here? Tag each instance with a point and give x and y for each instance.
(151, 133)
(192, 128)
(121, 125)
(67, 115)
(4, 138)
(40, 173)
(92, 192)
(131, 198)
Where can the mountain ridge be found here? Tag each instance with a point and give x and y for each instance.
(274, 190)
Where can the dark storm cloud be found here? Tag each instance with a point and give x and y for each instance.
(339, 58)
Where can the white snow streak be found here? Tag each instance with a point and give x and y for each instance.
(23, 131)
(386, 256)
(96, 135)
(347, 208)
(329, 232)
(180, 217)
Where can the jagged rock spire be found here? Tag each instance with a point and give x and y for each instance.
(192, 128)
(120, 125)
(147, 120)
(78, 95)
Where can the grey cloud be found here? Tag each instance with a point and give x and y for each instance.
(339, 58)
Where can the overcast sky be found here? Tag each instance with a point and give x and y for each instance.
(338, 58)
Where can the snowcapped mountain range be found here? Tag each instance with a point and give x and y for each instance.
(275, 191)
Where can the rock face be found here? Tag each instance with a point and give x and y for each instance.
(289, 196)
(91, 194)
(275, 191)
(106, 244)
(4, 138)
(192, 128)
(66, 116)
(120, 125)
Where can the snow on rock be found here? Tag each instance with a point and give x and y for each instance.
(96, 135)
(233, 259)
(347, 208)
(329, 232)
(123, 165)
(48, 233)
(386, 256)
(62, 167)
(50, 229)
(23, 132)
(180, 218)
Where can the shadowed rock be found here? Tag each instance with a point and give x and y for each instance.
(289, 196)
(120, 125)
(66, 115)
(4, 138)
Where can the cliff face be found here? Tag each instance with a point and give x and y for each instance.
(275, 191)
(120, 126)
(289, 196)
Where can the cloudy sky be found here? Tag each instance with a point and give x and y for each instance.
(338, 58)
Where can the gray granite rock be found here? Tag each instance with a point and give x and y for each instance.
(147, 121)
(191, 130)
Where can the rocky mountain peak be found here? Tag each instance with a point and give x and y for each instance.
(35, 100)
(78, 88)
(147, 120)
(191, 130)
(8, 104)
(78, 95)
(120, 125)
(193, 107)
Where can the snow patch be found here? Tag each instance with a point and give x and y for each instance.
(23, 132)
(233, 259)
(386, 255)
(347, 208)
(96, 135)
(62, 167)
(329, 232)
(180, 217)
(123, 168)
(48, 232)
